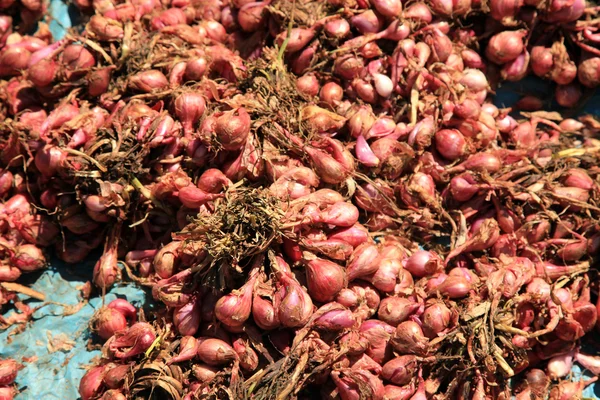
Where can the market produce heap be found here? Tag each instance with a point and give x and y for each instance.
(321, 196)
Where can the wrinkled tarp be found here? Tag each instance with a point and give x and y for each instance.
(53, 347)
(60, 342)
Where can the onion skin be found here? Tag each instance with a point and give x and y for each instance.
(204, 373)
(247, 356)
(91, 383)
(505, 46)
(232, 128)
(234, 309)
(133, 341)
(409, 339)
(395, 310)
(451, 144)
(362, 262)
(378, 335)
(187, 318)
(401, 370)
(333, 317)
(295, 307)
(115, 375)
(109, 321)
(325, 279)
(215, 352)
(8, 371)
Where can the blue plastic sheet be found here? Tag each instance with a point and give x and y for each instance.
(56, 344)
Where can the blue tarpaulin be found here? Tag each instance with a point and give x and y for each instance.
(54, 347)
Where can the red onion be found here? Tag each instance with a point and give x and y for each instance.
(109, 321)
(76, 57)
(436, 319)
(234, 309)
(474, 79)
(440, 44)
(354, 235)
(400, 370)
(501, 9)
(363, 262)
(560, 366)
(455, 287)
(148, 81)
(340, 214)
(409, 339)
(367, 22)
(349, 67)
(378, 335)
(115, 375)
(567, 390)
(331, 93)
(337, 28)
(28, 258)
(246, 355)
(49, 160)
(589, 362)
(124, 307)
(133, 341)
(579, 178)
(187, 318)
(541, 60)
(215, 352)
(113, 394)
(588, 72)
(13, 60)
(90, 385)
(43, 72)
(295, 306)
(451, 144)
(568, 95)
(104, 29)
(516, 70)
(325, 279)
(333, 317)
(195, 69)
(106, 271)
(189, 108)
(204, 373)
(383, 85)
(321, 120)
(388, 8)
(9, 273)
(393, 392)
(387, 275)
(168, 17)
(394, 310)
(8, 371)
(99, 81)
(298, 39)
(563, 12)
(353, 382)
(166, 260)
(252, 16)
(264, 313)
(308, 85)
(505, 46)
(232, 128)
(214, 30)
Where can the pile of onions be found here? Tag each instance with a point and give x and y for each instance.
(324, 203)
